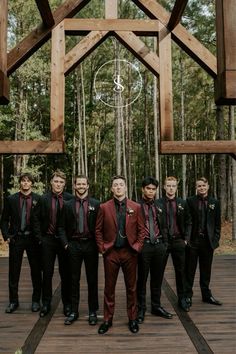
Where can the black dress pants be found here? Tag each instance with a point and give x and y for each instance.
(151, 259)
(17, 246)
(176, 247)
(84, 251)
(52, 248)
(200, 251)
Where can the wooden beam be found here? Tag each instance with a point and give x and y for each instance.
(4, 82)
(140, 50)
(111, 9)
(225, 92)
(28, 46)
(4, 88)
(176, 13)
(31, 147)
(45, 12)
(198, 147)
(76, 26)
(57, 83)
(83, 49)
(181, 36)
(165, 86)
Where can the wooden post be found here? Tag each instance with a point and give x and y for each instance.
(111, 9)
(4, 81)
(165, 83)
(226, 52)
(57, 83)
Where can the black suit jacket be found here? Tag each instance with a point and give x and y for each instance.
(183, 216)
(43, 211)
(213, 220)
(67, 226)
(11, 215)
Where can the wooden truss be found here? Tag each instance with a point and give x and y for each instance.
(162, 24)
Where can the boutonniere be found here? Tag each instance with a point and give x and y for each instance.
(212, 206)
(91, 208)
(34, 203)
(130, 211)
(159, 210)
(180, 207)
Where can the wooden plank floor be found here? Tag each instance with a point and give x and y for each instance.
(205, 329)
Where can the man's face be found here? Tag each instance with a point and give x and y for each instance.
(170, 187)
(81, 187)
(25, 185)
(202, 188)
(118, 188)
(149, 191)
(57, 184)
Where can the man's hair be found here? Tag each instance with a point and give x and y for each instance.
(202, 179)
(26, 175)
(170, 178)
(58, 173)
(81, 176)
(118, 177)
(149, 180)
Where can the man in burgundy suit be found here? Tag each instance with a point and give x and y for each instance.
(120, 235)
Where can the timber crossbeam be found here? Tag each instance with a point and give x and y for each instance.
(31, 147)
(198, 147)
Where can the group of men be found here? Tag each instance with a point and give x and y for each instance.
(136, 237)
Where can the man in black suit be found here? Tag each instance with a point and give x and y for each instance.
(16, 226)
(176, 216)
(153, 253)
(47, 215)
(77, 233)
(205, 236)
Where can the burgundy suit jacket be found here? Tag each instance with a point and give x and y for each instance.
(106, 226)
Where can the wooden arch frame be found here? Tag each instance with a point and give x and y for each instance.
(168, 27)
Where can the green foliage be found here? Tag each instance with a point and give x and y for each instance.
(38, 186)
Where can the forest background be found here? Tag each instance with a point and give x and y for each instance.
(102, 140)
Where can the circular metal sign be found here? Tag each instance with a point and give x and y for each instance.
(117, 83)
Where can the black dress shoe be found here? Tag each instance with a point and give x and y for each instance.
(35, 306)
(104, 327)
(133, 326)
(44, 310)
(140, 317)
(93, 319)
(71, 318)
(160, 311)
(12, 307)
(67, 310)
(188, 301)
(183, 305)
(212, 300)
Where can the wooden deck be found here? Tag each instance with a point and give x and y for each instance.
(205, 329)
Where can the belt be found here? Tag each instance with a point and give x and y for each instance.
(175, 237)
(23, 233)
(157, 241)
(81, 239)
(201, 234)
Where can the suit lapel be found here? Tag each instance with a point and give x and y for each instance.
(17, 203)
(128, 206)
(113, 210)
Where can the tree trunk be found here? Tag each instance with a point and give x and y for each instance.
(81, 168)
(84, 122)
